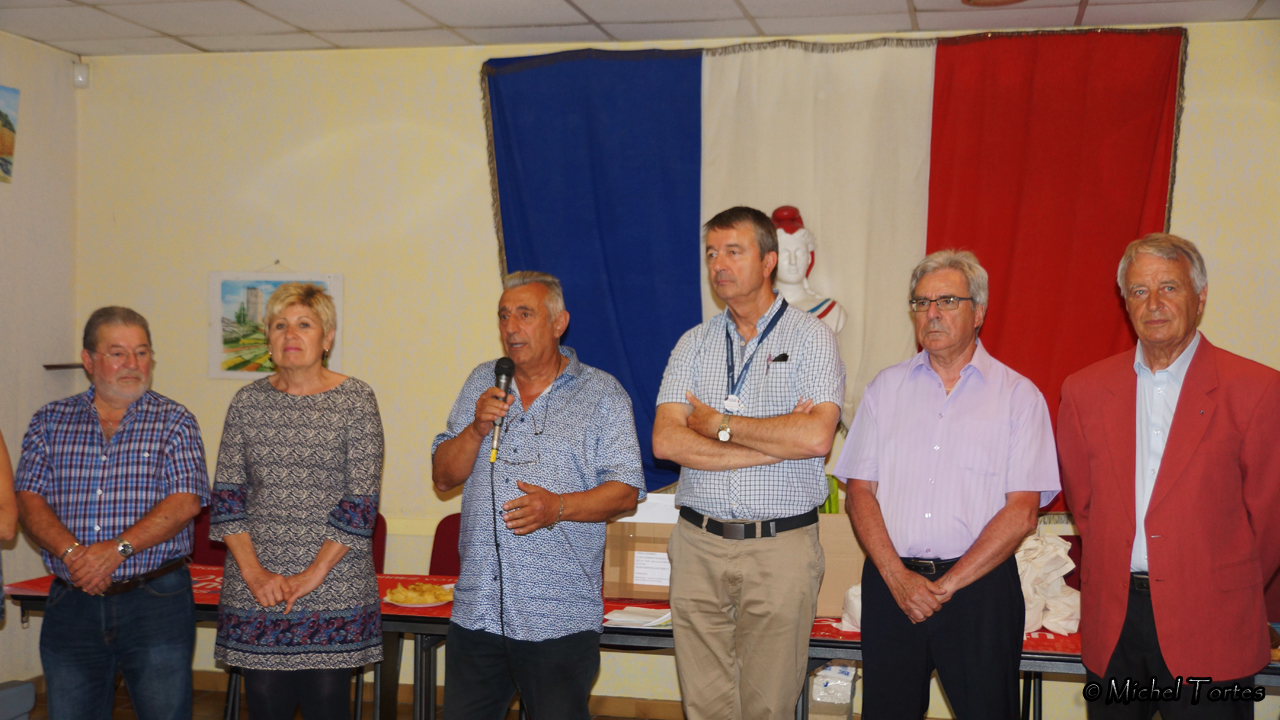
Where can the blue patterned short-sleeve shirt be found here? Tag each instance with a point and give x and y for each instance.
(99, 488)
(578, 434)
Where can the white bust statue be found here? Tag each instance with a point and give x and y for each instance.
(796, 256)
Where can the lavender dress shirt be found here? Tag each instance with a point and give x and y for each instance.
(943, 463)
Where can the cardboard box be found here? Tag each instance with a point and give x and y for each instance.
(635, 560)
(844, 562)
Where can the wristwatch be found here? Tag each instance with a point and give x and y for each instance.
(124, 547)
(723, 433)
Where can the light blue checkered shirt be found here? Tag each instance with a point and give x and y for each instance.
(812, 370)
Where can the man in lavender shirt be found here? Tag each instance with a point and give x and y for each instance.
(949, 458)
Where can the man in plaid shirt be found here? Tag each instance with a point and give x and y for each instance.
(748, 406)
(108, 483)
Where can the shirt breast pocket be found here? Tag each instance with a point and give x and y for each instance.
(981, 446)
(780, 391)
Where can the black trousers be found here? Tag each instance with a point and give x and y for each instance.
(1137, 658)
(484, 671)
(276, 694)
(974, 642)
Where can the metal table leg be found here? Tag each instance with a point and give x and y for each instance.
(1026, 696)
(802, 705)
(1037, 689)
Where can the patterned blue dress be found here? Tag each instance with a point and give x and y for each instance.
(294, 471)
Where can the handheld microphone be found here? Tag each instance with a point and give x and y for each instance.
(503, 371)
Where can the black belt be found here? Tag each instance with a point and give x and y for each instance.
(1140, 582)
(124, 586)
(748, 530)
(929, 567)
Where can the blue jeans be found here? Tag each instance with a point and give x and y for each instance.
(148, 633)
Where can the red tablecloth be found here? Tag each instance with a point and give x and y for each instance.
(207, 585)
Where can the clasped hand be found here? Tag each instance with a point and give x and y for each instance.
(270, 589)
(91, 566)
(705, 420)
(918, 596)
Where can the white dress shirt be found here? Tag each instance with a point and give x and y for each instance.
(1157, 399)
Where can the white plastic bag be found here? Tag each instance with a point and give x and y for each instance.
(851, 613)
(833, 683)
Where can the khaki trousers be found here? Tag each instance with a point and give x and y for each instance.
(742, 612)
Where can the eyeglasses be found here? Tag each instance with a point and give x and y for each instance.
(946, 303)
(120, 357)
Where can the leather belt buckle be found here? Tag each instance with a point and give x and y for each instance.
(1140, 582)
(736, 531)
(927, 567)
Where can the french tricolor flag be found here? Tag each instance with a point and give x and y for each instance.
(1043, 152)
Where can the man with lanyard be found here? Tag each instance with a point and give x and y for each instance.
(748, 406)
(527, 609)
(108, 483)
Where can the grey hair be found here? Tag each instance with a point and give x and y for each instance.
(1169, 247)
(555, 292)
(962, 260)
(112, 315)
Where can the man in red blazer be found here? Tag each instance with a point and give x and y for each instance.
(1170, 460)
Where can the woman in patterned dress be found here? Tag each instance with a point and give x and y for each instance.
(295, 499)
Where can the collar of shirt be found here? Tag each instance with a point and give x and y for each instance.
(979, 364)
(1178, 368)
(760, 324)
(572, 370)
(141, 403)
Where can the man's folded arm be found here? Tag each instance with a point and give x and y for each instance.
(673, 440)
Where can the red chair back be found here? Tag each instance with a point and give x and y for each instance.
(444, 548)
(379, 543)
(206, 551)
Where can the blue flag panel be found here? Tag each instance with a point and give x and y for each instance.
(598, 159)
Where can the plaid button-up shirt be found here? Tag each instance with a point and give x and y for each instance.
(100, 488)
(799, 359)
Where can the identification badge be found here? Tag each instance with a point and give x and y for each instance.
(732, 404)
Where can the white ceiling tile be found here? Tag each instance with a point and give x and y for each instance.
(346, 15)
(125, 46)
(822, 8)
(393, 38)
(620, 11)
(1269, 11)
(507, 13)
(210, 17)
(835, 25)
(1167, 12)
(1138, 2)
(258, 43)
(4, 4)
(129, 2)
(530, 35)
(957, 5)
(998, 19)
(73, 23)
(682, 31)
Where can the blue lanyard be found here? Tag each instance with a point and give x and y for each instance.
(735, 386)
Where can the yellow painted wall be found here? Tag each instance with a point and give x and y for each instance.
(373, 164)
(37, 285)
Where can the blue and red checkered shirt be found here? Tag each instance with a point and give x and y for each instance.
(101, 488)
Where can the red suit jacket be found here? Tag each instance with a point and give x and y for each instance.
(1213, 523)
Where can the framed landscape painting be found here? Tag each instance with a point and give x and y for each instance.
(8, 131)
(237, 321)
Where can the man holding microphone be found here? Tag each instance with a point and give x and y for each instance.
(527, 608)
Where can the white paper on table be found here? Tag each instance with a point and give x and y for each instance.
(656, 508)
(651, 568)
(638, 617)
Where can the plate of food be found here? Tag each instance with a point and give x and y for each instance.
(419, 595)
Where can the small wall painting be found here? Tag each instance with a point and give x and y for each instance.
(8, 131)
(237, 321)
